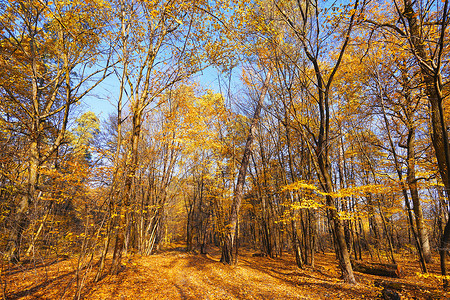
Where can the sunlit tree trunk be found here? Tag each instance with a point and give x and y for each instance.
(417, 207)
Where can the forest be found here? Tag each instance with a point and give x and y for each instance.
(315, 166)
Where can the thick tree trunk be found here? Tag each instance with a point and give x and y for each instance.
(327, 185)
(123, 233)
(296, 245)
(343, 254)
(422, 231)
(388, 270)
(229, 243)
(338, 229)
(444, 248)
(21, 220)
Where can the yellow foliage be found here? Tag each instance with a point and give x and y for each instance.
(346, 192)
(430, 275)
(306, 203)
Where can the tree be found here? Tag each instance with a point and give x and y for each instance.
(160, 48)
(229, 247)
(308, 36)
(47, 60)
(424, 32)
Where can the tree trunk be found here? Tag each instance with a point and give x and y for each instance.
(404, 188)
(432, 79)
(338, 229)
(422, 232)
(229, 243)
(124, 203)
(21, 220)
(411, 171)
(343, 254)
(388, 270)
(296, 246)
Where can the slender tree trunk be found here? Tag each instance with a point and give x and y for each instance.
(404, 189)
(313, 237)
(229, 244)
(388, 234)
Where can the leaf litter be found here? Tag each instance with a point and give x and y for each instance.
(176, 274)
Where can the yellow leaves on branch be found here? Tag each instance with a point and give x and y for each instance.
(193, 119)
(298, 186)
(346, 215)
(306, 203)
(346, 192)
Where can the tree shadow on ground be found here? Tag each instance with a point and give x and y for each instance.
(31, 264)
(36, 288)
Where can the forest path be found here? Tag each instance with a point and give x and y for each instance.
(176, 274)
(180, 275)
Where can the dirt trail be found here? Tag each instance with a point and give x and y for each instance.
(180, 275)
(186, 276)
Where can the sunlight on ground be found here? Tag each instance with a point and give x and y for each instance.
(181, 275)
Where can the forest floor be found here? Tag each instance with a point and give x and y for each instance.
(175, 274)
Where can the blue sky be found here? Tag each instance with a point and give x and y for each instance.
(103, 99)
